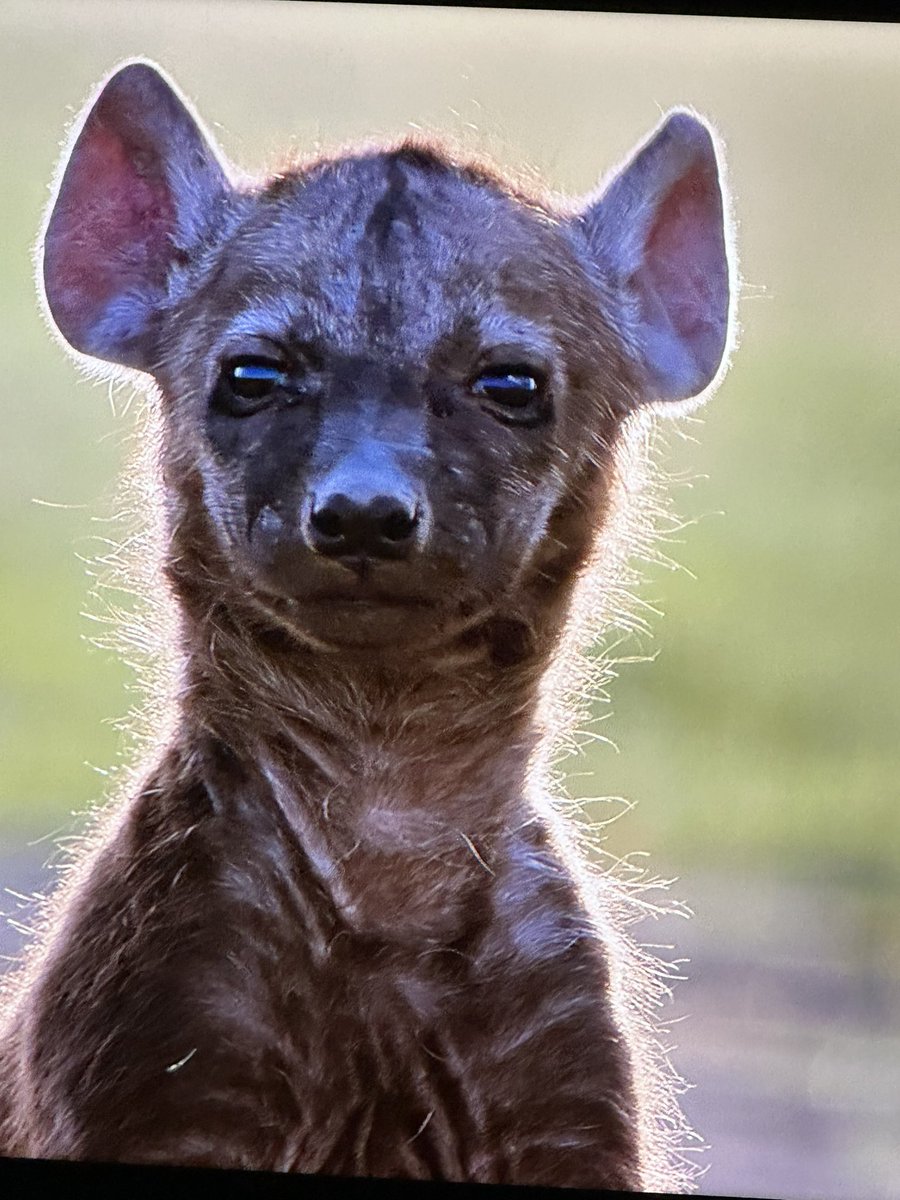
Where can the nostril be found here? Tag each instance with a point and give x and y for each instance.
(398, 526)
(328, 522)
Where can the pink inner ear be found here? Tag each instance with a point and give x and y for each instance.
(683, 257)
(110, 231)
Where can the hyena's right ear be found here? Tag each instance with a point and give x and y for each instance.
(137, 190)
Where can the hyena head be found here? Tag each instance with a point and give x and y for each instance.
(391, 384)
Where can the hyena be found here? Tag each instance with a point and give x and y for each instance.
(337, 926)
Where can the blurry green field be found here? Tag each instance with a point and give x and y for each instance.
(765, 735)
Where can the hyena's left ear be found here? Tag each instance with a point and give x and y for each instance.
(138, 189)
(658, 233)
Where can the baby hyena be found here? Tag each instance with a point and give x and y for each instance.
(337, 928)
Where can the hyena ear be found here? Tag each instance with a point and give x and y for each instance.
(138, 188)
(658, 232)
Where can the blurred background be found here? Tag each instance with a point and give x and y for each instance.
(759, 747)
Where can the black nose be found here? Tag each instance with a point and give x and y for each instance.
(382, 527)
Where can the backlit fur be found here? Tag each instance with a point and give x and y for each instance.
(338, 924)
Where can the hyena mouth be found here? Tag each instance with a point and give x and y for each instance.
(360, 618)
(378, 616)
(374, 603)
(371, 625)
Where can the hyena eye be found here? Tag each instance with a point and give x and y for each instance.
(517, 390)
(247, 385)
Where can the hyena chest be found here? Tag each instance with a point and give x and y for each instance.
(350, 1072)
(372, 1039)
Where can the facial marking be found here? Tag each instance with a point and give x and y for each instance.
(394, 212)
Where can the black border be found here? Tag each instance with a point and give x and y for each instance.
(26, 1177)
(787, 10)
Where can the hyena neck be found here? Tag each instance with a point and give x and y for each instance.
(404, 789)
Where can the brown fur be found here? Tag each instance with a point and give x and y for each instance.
(337, 926)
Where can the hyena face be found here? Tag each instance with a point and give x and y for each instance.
(389, 367)
(392, 383)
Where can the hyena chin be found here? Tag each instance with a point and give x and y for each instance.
(336, 927)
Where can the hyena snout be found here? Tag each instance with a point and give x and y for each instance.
(341, 526)
(368, 506)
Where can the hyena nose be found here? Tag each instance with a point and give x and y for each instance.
(380, 527)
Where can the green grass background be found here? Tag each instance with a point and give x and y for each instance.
(763, 739)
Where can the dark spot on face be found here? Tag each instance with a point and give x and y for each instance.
(509, 641)
(441, 399)
(395, 207)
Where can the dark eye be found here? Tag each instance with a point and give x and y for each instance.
(517, 390)
(247, 385)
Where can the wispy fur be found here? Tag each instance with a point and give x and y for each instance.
(340, 916)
